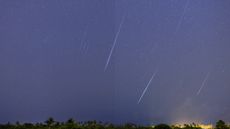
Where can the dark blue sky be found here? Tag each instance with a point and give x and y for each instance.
(93, 59)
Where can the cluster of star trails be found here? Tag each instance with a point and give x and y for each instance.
(84, 48)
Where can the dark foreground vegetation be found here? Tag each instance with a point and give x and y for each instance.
(72, 124)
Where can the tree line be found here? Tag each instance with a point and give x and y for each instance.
(50, 123)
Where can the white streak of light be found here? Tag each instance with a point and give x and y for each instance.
(83, 38)
(146, 88)
(114, 42)
(203, 83)
(182, 17)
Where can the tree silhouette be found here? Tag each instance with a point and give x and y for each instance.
(221, 125)
(71, 124)
(162, 126)
(70, 121)
(50, 122)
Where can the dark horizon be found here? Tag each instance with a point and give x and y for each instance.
(149, 61)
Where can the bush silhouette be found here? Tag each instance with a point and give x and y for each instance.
(162, 126)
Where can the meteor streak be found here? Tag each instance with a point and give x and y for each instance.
(83, 43)
(182, 16)
(114, 42)
(203, 83)
(146, 88)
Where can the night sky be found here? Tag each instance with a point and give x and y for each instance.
(141, 61)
